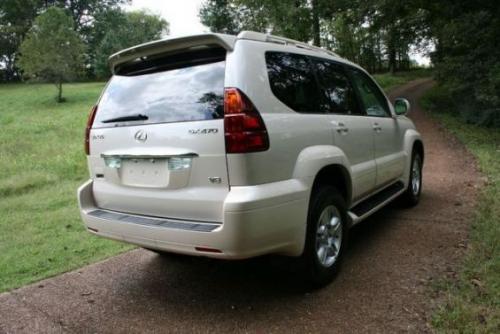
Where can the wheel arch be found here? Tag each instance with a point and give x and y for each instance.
(418, 146)
(335, 175)
(325, 164)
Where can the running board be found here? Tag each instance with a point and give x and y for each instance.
(375, 202)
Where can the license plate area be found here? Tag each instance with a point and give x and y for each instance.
(144, 172)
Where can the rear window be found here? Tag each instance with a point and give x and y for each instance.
(176, 88)
(293, 82)
(309, 84)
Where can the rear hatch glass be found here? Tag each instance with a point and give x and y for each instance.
(157, 144)
(176, 88)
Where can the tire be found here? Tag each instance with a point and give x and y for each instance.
(411, 196)
(328, 209)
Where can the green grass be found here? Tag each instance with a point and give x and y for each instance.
(388, 81)
(41, 165)
(472, 302)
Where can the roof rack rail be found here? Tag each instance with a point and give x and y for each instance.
(257, 36)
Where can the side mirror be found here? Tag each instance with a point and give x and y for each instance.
(401, 106)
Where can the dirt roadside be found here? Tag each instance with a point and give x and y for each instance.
(384, 286)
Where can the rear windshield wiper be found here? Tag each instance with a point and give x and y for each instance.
(137, 117)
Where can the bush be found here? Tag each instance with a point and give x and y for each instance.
(467, 59)
(441, 99)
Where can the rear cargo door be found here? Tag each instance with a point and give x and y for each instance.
(157, 141)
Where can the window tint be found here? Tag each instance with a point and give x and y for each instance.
(189, 93)
(292, 81)
(374, 102)
(336, 88)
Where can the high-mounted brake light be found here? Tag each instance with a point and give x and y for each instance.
(90, 121)
(244, 129)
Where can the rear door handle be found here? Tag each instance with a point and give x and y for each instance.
(341, 128)
(377, 127)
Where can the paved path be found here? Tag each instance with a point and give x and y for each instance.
(384, 286)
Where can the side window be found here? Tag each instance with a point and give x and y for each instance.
(292, 81)
(336, 88)
(374, 102)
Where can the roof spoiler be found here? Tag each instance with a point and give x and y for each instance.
(170, 44)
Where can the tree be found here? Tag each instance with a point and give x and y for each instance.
(104, 22)
(138, 27)
(84, 11)
(467, 57)
(291, 18)
(16, 17)
(374, 33)
(220, 16)
(402, 24)
(52, 50)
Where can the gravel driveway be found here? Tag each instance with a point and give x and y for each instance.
(385, 284)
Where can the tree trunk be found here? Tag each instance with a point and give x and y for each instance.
(315, 18)
(9, 70)
(379, 53)
(399, 60)
(391, 48)
(392, 59)
(59, 92)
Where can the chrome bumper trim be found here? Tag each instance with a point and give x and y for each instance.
(154, 221)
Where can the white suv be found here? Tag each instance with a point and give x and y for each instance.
(237, 146)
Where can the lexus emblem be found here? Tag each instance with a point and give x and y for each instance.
(141, 136)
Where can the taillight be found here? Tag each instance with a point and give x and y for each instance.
(90, 121)
(244, 129)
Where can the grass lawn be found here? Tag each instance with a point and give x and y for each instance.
(42, 162)
(472, 303)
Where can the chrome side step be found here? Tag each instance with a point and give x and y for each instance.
(374, 203)
(155, 221)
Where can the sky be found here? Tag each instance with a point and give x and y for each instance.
(182, 16)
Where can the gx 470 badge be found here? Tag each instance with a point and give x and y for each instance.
(203, 131)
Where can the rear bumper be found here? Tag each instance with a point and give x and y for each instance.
(262, 219)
